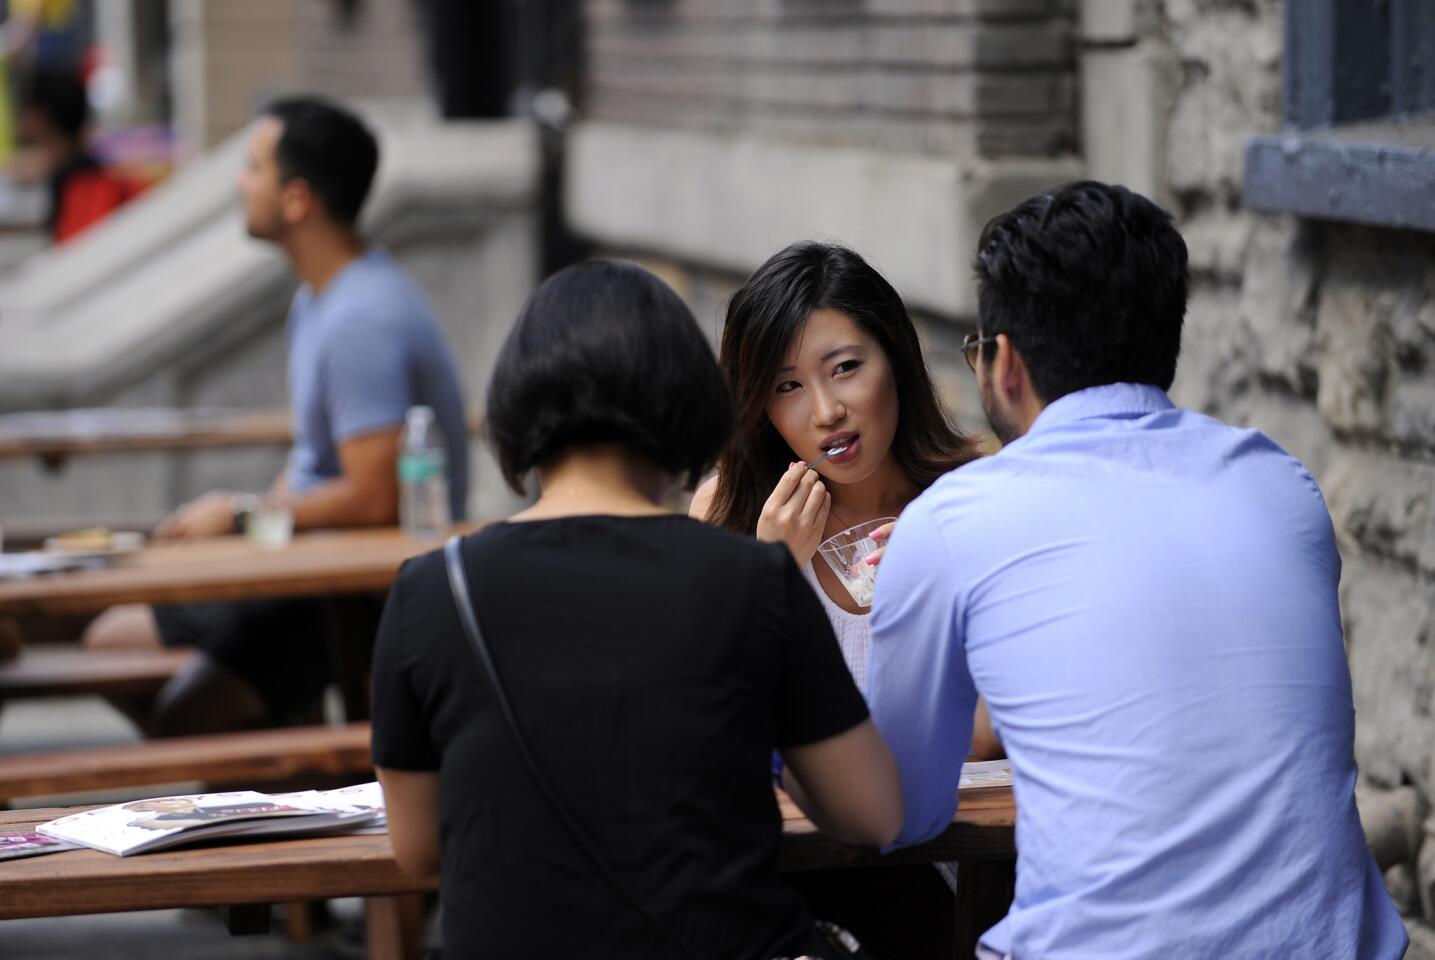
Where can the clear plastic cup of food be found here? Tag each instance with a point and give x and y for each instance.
(271, 526)
(268, 524)
(844, 553)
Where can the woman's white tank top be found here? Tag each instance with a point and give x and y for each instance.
(854, 634)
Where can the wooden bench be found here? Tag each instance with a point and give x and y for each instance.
(261, 759)
(69, 673)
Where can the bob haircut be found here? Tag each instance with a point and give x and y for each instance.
(764, 318)
(606, 353)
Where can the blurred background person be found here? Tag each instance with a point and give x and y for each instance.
(363, 349)
(54, 119)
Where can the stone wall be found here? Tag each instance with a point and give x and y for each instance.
(946, 77)
(1320, 334)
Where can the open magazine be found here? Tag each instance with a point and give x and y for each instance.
(143, 825)
(14, 845)
(362, 798)
(985, 773)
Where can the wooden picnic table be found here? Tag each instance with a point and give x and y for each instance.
(223, 568)
(338, 565)
(237, 874)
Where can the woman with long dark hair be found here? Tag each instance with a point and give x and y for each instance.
(822, 356)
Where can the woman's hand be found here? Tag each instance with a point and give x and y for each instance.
(796, 512)
(881, 535)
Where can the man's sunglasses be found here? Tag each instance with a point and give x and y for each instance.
(969, 345)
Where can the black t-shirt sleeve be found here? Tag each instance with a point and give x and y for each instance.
(400, 740)
(817, 697)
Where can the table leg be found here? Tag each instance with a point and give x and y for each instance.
(394, 926)
(984, 893)
(299, 921)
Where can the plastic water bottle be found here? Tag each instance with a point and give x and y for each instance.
(423, 477)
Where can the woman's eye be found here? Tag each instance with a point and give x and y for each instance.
(847, 366)
(787, 386)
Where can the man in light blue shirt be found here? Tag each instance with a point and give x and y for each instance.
(1147, 600)
(361, 352)
(363, 348)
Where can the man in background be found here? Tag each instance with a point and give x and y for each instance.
(363, 348)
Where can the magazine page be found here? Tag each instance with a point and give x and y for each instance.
(141, 825)
(362, 797)
(22, 566)
(14, 845)
(985, 773)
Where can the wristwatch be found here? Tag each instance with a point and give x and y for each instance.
(240, 510)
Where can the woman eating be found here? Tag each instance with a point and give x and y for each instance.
(827, 371)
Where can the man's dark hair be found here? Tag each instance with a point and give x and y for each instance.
(1089, 283)
(330, 149)
(59, 95)
(605, 352)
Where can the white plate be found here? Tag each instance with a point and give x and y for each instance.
(122, 542)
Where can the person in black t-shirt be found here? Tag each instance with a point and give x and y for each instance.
(653, 663)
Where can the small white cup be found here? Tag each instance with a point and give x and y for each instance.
(268, 525)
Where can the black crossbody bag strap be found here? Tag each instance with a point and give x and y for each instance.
(458, 584)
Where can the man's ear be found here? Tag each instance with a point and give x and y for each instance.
(296, 199)
(1014, 379)
(1009, 374)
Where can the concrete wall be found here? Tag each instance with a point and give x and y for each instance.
(938, 77)
(380, 54)
(228, 57)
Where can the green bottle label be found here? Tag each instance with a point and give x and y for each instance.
(419, 467)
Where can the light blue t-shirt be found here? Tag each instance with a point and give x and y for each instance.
(360, 354)
(1147, 600)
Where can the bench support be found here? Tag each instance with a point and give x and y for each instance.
(394, 926)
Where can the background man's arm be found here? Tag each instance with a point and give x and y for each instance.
(279, 489)
(365, 494)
